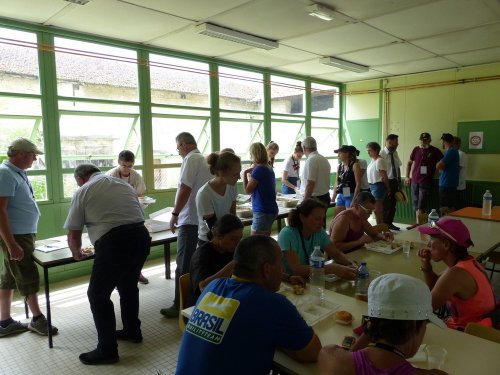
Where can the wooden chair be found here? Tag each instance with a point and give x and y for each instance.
(379, 228)
(487, 333)
(494, 259)
(184, 290)
(422, 218)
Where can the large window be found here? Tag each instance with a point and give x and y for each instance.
(240, 90)
(20, 104)
(324, 100)
(326, 133)
(98, 106)
(287, 95)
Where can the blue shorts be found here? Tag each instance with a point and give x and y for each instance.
(343, 201)
(378, 190)
(262, 222)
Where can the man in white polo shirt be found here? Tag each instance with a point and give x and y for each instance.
(315, 174)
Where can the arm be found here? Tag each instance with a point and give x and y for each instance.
(358, 176)
(344, 272)
(385, 180)
(15, 250)
(226, 271)
(338, 256)
(426, 266)
(75, 244)
(368, 228)
(307, 354)
(408, 171)
(293, 262)
(440, 165)
(182, 197)
(334, 360)
(309, 189)
(232, 210)
(284, 180)
(251, 186)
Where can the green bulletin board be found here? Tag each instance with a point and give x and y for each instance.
(491, 136)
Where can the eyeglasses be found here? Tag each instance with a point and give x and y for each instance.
(180, 145)
(435, 225)
(368, 211)
(127, 166)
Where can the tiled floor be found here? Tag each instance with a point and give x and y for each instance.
(28, 353)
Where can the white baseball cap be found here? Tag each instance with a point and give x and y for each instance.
(401, 297)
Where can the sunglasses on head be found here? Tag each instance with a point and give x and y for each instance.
(435, 225)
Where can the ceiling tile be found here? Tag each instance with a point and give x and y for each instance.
(345, 76)
(483, 56)
(341, 39)
(409, 67)
(386, 55)
(276, 57)
(32, 10)
(472, 39)
(433, 18)
(313, 67)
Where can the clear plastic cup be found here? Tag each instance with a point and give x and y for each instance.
(436, 356)
(406, 247)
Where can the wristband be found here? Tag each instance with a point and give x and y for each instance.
(175, 214)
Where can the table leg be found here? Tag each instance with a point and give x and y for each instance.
(47, 298)
(166, 255)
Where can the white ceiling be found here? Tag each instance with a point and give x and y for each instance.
(392, 37)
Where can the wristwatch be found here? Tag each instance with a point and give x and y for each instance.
(175, 214)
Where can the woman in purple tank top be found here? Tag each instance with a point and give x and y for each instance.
(399, 307)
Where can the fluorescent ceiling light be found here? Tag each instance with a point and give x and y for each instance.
(321, 11)
(79, 2)
(236, 36)
(343, 64)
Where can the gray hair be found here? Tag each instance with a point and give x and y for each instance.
(310, 143)
(186, 138)
(251, 253)
(364, 197)
(85, 170)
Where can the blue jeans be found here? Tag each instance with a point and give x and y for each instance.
(119, 257)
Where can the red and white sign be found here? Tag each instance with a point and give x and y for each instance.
(476, 140)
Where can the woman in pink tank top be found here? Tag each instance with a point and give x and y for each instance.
(463, 288)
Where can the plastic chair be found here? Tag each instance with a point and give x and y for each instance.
(379, 228)
(487, 333)
(494, 259)
(184, 289)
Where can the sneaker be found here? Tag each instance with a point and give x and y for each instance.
(393, 227)
(96, 358)
(122, 335)
(171, 312)
(143, 280)
(14, 327)
(40, 326)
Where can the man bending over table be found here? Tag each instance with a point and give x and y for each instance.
(238, 322)
(115, 222)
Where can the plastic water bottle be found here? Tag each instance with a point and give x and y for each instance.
(317, 278)
(362, 281)
(487, 201)
(433, 216)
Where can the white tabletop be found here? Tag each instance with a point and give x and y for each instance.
(466, 354)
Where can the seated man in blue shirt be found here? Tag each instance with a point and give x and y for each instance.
(238, 322)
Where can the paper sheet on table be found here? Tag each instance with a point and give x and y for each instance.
(164, 214)
(52, 247)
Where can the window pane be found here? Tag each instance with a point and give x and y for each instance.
(286, 135)
(98, 138)
(239, 135)
(91, 70)
(324, 100)
(165, 129)
(179, 81)
(287, 95)
(326, 133)
(39, 184)
(240, 90)
(21, 117)
(166, 178)
(18, 62)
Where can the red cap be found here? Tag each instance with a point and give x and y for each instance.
(451, 229)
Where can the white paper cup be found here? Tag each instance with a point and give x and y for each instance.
(436, 356)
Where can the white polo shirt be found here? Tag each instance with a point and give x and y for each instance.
(317, 169)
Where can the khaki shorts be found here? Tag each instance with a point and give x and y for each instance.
(21, 275)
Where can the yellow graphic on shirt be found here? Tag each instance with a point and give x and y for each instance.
(211, 318)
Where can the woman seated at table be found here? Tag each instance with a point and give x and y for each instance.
(303, 232)
(214, 259)
(399, 307)
(463, 288)
(350, 229)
